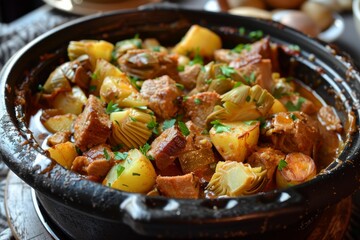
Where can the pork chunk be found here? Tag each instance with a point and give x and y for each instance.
(167, 146)
(92, 126)
(162, 95)
(189, 76)
(294, 132)
(58, 137)
(199, 106)
(184, 186)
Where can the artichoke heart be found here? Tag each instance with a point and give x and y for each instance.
(120, 91)
(93, 48)
(57, 82)
(236, 178)
(130, 127)
(242, 104)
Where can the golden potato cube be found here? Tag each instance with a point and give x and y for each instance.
(99, 50)
(135, 174)
(64, 154)
(236, 143)
(277, 107)
(70, 102)
(60, 123)
(198, 39)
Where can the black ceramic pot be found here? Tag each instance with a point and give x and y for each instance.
(87, 210)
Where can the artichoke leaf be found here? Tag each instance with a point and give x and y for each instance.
(130, 127)
(236, 179)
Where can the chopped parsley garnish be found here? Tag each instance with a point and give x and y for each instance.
(92, 88)
(144, 149)
(106, 155)
(132, 119)
(142, 107)
(185, 98)
(237, 84)
(282, 164)
(219, 127)
(295, 107)
(197, 59)
(242, 31)
(256, 34)
(227, 71)
(152, 125)
(168, 124)
(197, 101)
(208, 81)
(156, 48)
(120, 155)
(78, 151)
(112, 107)
(119, 170)
(180, 86)
(116, 148)
(250, 78)
(183, 128)
(204, 132)
(133, 81)
(135, 174)
(241, 47)
(180, 68)
(293, 116)
(94, 76)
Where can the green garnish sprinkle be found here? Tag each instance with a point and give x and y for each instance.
(92, 88)
(295, 107)
(282, 164)
(256, 34)
(106, 155)
(197, 101)
(183, 128)
(180, 86)
(120, 155)
(168, 124)
(227, 71)
(241, 47)
(219, 127)
(250, 78)
(112, 107)
(135, 174)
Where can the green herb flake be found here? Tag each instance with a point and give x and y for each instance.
(185, 98)
(293, 116)
(144, 149)
(120, 155)
(180, 86)
(94, 76)
(294, 47)
(112, 107)
(242, 31)
(227, 71)
(135, 174)
(156, 48)
(168, 124)
(295, 107)
(197, 59)
(180, 68)
(142, 107)
(208, 81)
(237, 84)
(92, 88)
(78, 151)
(183, 128)
(116, 147)
(152, 125)
(197, 101)
(250, 79)
(133, 81)
(256, 34)
(282, 164)
(106, 155)
(132, 119)
(241, 47)
(204, 132)
(219, 127)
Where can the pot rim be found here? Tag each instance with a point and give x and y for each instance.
(138, 210)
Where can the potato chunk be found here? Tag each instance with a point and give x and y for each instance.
(60, 123)
(64, 154)
(198, 39)
(235, 140)
(135, 174)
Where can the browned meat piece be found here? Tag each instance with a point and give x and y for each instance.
(162, 94)
(189, 75)
(258, 73)
(92, 126)
(199, 106)
(267, 158)
(58, 137)
(184, 186)
(198, 151)
(167, 146)
(147, 64)
(94, 162)
(78, 71)
(329, 119)
(293, 132)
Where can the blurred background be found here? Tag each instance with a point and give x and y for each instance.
(11, 10)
